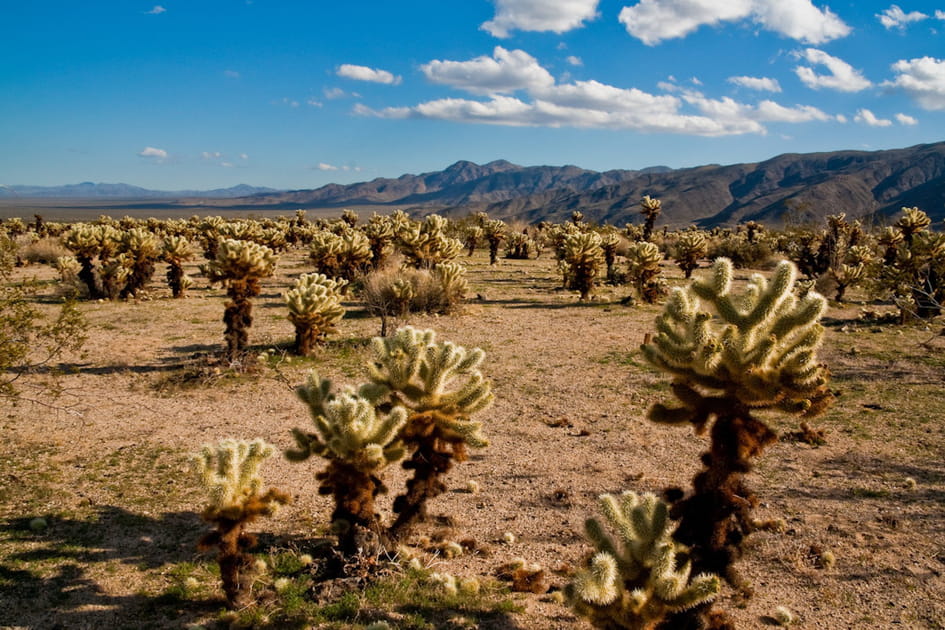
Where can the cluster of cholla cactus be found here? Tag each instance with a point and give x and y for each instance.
(141, 249)
(229, 471)
(239, 266)
(913, 268)
(472, 238)
(519, 246)
(637, 578)
(425, 245)
(748, 352)
(379, 231)
(341, 255)
(314, 303)
(495, 232)
(418, 403)
(644, 270)
(581, 261)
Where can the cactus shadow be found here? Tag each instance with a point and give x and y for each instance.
(56, 577)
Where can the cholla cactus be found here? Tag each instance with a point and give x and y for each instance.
(359, 441)
(440, 385)
(380, 235)
(177, 251)
(239, 265)
(426, 245)
(644, 269)
(142, 249)
(634, 581)
(912, 222)
(341, 255)
(690, 247)
(518, 246)
(85, 242)
(609, 242)
(474, 234)
(650, 209)
(758, 351)
(69, 269)
(229, 472)
(495, 231)
(452, 279)
(582, 261)
(314, 308)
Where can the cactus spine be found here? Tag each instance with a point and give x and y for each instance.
(636, 581)
(757, 351)
(229, 472)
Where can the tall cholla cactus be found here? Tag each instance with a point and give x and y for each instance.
(229, 471)
(440, 385)
(912, 222)
(634, 582)
(650, 209)
(582, 261)
(85, 242)
(644, 270)
(609, 242)
(358, 441)
(177, 251)
(757, 352)
(239, 265)
(315, 307)
(495, 230)
(425, 245)
(142, 249)
(452, 280)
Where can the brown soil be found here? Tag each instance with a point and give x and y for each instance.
(568, 423)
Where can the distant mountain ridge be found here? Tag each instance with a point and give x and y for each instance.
(788, 188)
(91, 190)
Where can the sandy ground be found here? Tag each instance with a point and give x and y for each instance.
(568, 423)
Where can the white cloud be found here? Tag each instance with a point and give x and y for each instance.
(905, 119)
(939, 14)
(226, 164)
(363, 73)
(762, 84)
(769, 111)
(652, 21)
(211, 155)
(333, 93)
(244, 156)
(151, 152)
(323, 166)
(894, 17)
(867, 117)
(231, 74)
(574, 61)
(505, 71)
(922, 79)
(843, 77)
(556, 16)
(157, 10)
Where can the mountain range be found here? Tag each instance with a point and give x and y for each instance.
(789, 188)
(91, 190)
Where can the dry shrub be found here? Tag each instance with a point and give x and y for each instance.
(44, 250)
(393, 293)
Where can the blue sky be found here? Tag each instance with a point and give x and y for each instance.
(170, 94)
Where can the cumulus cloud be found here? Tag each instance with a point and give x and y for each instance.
(211, 155)
(923, 79)
(556, 16)
(153, 153)
(652, 21)
(905, 119)
(866, 117)
(323, 166)
(363, 73)
(939, 14)
(894, 17)
(505, 71)
(843, 77)
(762, 84)
(574, 61)
(157, 10)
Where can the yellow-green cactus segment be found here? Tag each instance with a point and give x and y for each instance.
(229, 472)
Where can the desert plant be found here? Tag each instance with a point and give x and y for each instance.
(315, 308)
(342, 255)
(28, 340)
(229, 471)
(518, 246)
(358, 440)
(644, 270)
(441, 387)
(176, 252)
(474, 235)
(650, 209)
(495, 232)
(911, 223)
(84, 241)
(425, 245)
(141, 249)
(581, 262)
(239, 266)
(758, 351)
(609, 242)
(69, 269)
(379, 231)
(635, 579)
(452, 280)
(689, 249)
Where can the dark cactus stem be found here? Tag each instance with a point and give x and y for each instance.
(355, 516)
(175, 278)
(140, 275)
(87, 276)
(236, 565)
(306, 338)
(238, 316)
(494, 249)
